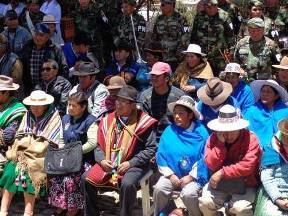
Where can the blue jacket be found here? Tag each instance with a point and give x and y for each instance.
(71, 57)
(263, 122)
(182, 152)
(77, 131)
(209, 114)
(18, 39)
(244, 96)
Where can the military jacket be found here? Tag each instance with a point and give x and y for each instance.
(213, 34)
(282, 18)
(87, 19)
(256, 58)
(173, 34)
(125, 30)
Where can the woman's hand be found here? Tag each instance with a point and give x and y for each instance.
(282, 203)
(188, 88)
(186, 180)
(176, 182)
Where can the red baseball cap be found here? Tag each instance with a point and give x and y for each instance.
(161, 68)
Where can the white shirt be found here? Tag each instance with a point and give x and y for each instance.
(53, 8)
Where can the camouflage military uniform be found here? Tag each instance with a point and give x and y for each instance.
(173, 34)
(214, 35)
(282, 18)
(256, 58)
(35, 18)
(89, 20)
(234, 14)
(125, 32)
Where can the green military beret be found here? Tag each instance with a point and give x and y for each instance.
(168, 1)
(130, 2)
(210, 2)
(256, 22)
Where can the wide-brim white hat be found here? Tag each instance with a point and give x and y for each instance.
(228, 120)
(38, 98)
(194, 48)
(185, 101)
(283, 64)
(6, 84)
(257, 85)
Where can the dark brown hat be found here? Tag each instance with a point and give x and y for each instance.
(215, 92)
(154, 47)
(129, 93)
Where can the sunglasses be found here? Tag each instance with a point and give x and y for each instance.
(47, 68)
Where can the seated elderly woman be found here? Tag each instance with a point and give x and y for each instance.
(269, 109)
(78, 125)
(272, 198)
(24, 171)
(180, 158)
(241, 91)
(193, 72)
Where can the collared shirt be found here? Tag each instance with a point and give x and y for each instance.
(36, 62)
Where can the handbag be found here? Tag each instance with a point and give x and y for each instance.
(59, 161)
(234, 185)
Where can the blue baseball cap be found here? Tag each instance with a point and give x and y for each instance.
(42, 28)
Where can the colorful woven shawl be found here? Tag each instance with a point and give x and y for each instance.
(10, 111)
(47, 127)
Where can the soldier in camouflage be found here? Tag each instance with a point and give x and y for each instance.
(33, 9)
(256, 52)
(172, 31)
(281, 20)
(256, 10)
(124, 31)
(213, 31)
(88, 19)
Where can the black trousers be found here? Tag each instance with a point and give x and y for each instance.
(128, 191)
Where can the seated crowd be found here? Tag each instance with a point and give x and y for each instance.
(76, 119)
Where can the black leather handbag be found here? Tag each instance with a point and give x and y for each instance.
(59, 161)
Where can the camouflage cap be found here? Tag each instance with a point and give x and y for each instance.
(210, 2)
(256, 22)
(257, 3)
(168, 1)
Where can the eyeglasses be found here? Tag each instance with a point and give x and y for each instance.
(47, 68)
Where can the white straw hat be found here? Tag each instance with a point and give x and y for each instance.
(194, 48)
(228, 120)
(257, 85)
(38, 98)
(185, 101)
